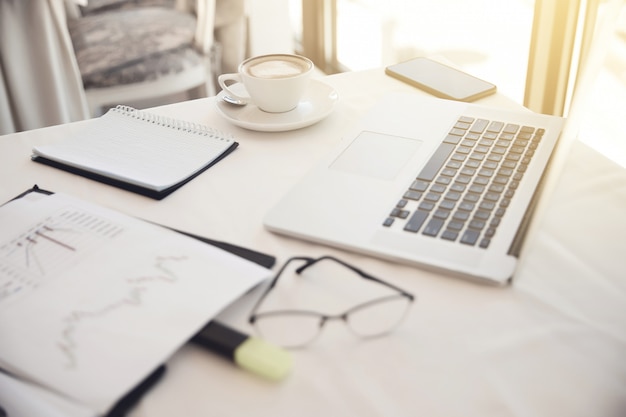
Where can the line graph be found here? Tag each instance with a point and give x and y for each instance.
(137, 288)
(46, 229)
(48, 246)
(94, 299)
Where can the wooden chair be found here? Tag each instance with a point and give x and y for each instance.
(132, 50)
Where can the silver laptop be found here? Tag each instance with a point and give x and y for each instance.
(429, 182)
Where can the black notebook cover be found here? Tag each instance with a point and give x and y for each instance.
(157, 195)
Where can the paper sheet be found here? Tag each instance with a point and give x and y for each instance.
(92, 301)
(20, 399)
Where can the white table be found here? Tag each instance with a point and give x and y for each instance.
(552, 344)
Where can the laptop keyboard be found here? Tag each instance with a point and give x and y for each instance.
(464, 190)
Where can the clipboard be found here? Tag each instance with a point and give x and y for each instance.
(126, 403)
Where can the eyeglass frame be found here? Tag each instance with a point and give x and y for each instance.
(309, 261)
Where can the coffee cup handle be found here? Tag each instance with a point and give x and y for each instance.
(236, 78)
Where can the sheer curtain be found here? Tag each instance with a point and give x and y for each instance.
(40, 84)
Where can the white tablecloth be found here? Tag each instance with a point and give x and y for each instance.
(552, 344)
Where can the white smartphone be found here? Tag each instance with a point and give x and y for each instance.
(441, 80)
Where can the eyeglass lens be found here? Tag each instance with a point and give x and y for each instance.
(289, 329)
(379, 316)
(299, 328)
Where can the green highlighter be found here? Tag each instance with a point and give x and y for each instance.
(250, 353)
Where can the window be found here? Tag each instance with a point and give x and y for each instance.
(488, 38)
(601, 119)
(529, 48)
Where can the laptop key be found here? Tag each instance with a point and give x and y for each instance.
(412, 195)
(479, 126)
(455, 226)
(436, 161)
(419, 186)
(457, 188)
(461, 216)
(433, 227)
(453, 164)
(396, 212)
(470, 237)
(457, 132)
(494, 157)
(495, 127)
(453, 139)
(487, 205)
(449, 235)
(449, 172)
(447, 205)
(471, 198)
(433, 197)
(477, 224)
(511, 128)
(438, 188)
(416, 221)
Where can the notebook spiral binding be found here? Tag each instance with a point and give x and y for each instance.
(194, 128)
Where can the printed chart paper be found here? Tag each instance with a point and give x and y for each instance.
(92, 301)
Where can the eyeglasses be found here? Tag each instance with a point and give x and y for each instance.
(298, 328)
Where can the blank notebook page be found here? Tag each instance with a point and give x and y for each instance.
(140, 148)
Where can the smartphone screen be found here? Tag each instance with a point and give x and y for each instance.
(441, 80)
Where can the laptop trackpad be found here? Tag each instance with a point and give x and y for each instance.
(376, 155)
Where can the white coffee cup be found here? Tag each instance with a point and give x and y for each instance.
(275, 83)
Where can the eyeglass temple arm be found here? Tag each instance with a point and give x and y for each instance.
(363, 274)
(312, 261)
(308, 261)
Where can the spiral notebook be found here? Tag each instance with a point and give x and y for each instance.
(138, 151)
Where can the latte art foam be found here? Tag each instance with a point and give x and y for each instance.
(276, 68)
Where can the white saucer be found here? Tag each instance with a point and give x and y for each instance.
(318, 102)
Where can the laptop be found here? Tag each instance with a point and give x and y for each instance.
(438, 184)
